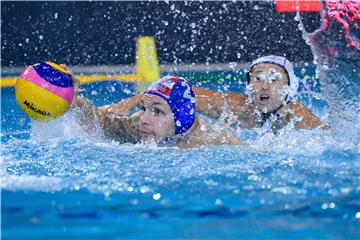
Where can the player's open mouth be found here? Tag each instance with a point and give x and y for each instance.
(264, 98)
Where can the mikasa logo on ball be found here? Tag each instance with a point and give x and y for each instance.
(31, 107)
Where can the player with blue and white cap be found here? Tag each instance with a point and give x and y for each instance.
(271, 90)
(180, 98)
(167, 116)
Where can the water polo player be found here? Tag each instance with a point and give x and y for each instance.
(167, 116)
(271, 87)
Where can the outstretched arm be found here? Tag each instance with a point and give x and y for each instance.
(209, 102)
(212, 103)
(117, 127)
(123, 106)
(88, 112)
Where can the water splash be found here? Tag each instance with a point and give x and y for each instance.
(67, 126)
(336, 49)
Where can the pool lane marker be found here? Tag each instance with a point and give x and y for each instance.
(10, 81)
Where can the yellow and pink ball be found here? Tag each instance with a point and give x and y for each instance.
(44, 90)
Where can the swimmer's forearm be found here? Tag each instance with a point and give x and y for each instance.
(115, 126)
(123, 106)
(213, 103)
(307, 120)
(310, 122)
(209, 102)
(87, 111)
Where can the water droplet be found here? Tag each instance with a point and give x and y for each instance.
(232, 65)
(134, 201)
(325, 67)
(218, 202)
(156, 196)
(144, 189)
(34, 220)
(253, 177)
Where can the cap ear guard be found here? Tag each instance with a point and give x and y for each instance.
(185, 116)
(182, 106)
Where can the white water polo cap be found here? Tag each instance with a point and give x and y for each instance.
(287, 65)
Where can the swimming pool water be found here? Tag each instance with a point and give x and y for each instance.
(60, 182)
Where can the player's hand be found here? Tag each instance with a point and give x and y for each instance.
(76, 82)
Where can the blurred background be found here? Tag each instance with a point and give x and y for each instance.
(104, 33)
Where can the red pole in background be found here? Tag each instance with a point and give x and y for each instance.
(304, 5)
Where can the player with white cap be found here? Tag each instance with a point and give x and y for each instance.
(271, 90)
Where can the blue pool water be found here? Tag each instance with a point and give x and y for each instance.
(59, 182)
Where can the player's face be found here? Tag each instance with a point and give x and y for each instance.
(156, 119)
(268, 86)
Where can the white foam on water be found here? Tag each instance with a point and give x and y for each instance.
(67, 126)
(15, 182)
(29, 182)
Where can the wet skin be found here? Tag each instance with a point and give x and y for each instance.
(268, 84)
(156, 119)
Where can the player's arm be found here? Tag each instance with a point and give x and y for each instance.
(213, 103)
(202, 133)
(304, 118)
(115, 126)
(123, 106)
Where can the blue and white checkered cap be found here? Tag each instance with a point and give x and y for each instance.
(178, 93)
